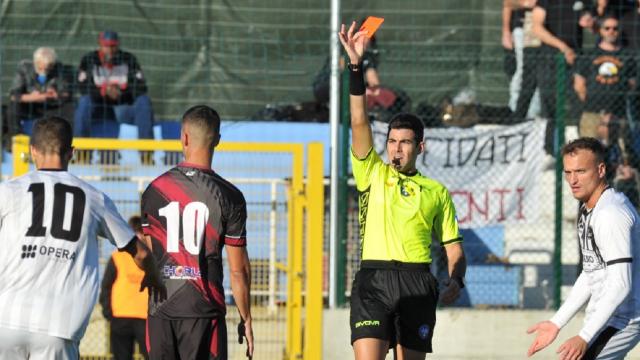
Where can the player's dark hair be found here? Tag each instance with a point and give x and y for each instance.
(204, 118)
(407, 121)
(52, 135)
(136, 223)
(586, 143)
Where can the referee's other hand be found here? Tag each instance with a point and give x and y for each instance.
(450, 293)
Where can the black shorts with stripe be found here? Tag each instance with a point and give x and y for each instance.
(394, 301)
(188, 338)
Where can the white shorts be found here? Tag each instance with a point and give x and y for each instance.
(616, 346)
(19, 344)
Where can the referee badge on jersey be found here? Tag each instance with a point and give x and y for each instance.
(423, 331)
(408, 188)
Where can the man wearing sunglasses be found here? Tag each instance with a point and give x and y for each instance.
(604, 75)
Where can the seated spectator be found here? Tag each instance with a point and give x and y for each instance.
(382, 101)
(626, 181)
(111, 80)
(619, 173)
(39, 89)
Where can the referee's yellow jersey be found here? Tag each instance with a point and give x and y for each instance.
(399, 213)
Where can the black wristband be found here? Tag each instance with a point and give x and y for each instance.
(356, 80)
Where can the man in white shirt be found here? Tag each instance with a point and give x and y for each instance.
(50, 221)
(609, 235)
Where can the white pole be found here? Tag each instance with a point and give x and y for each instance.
(334, 106)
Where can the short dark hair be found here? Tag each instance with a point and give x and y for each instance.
(607, 16)
(136, 223)
(205, 118)
(407, 121)
(585, 143)
(52, 134)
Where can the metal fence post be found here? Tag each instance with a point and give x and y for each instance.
(343, 196)
(558, 142)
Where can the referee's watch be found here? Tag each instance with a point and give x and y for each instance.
(459, 280)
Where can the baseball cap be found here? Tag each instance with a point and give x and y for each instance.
(108, 37)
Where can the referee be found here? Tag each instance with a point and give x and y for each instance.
(394, 295)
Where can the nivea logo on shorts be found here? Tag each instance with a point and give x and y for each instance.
(423, 331)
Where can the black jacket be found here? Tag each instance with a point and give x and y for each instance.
(124, 70)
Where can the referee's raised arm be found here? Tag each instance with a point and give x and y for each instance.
(355, 44)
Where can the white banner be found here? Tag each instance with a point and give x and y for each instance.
(492, 173)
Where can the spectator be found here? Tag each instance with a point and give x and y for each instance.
(557, 23)
(382, 101)
(618, 172)
(123, 304)
(112, 80)
(603, 77)
(528, 100)
(626, 12)
(518, 38)
(626, 181)
(607, 133)
(629, 16)
(321, 83)
(39, 89)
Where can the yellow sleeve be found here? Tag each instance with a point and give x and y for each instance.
(364, 168)
(446, 223)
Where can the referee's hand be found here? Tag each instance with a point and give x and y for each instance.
(450, 293)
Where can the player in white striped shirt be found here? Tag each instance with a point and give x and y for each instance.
(50, 221)
(609, 234)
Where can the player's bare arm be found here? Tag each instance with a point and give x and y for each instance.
(240, 272)
(144, 259)
(457, 268)
(355, 44)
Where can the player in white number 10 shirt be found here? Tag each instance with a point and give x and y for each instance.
(50, 221)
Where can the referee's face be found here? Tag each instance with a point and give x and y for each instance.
(403, 149)
(584, 174)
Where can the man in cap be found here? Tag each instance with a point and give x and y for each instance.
(109, 78)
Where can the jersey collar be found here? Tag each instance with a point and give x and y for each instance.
(195, 166)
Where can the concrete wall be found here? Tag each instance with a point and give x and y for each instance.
(463, 334)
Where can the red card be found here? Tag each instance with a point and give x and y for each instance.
(371, 25)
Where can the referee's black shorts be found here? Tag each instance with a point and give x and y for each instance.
(188, 338)
(394, 301)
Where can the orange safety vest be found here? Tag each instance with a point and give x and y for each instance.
(127, 301)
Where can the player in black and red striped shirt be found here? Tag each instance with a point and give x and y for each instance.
(189, 214)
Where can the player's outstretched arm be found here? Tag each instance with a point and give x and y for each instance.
(546, 334)
(240, 272)
(354, 43)
(144, 259)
